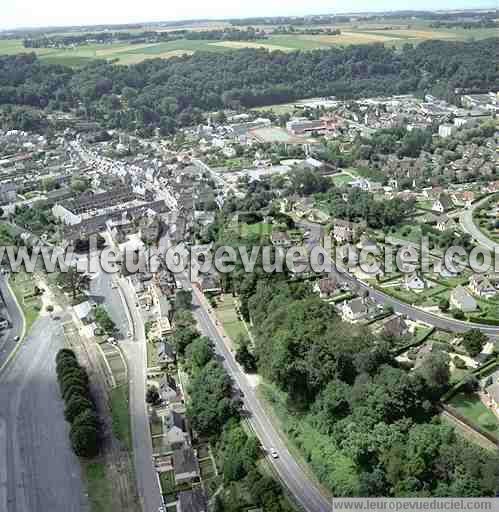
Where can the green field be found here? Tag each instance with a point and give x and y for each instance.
(121, 415)
(124, 53)
(99, 488)
(226, 313)
(471, 407)
(23, 288)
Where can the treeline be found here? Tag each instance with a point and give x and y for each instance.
(306, 31)
(80, 410)
(213, 413)
(465, 24)
(149, 36)
(172, 93)
(366, 425)
(359, 205)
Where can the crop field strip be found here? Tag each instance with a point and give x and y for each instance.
(396, 35)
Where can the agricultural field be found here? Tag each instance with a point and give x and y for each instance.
(396, 34)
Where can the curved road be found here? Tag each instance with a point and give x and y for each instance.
(412, 312)
(7, 338)
(468, 225)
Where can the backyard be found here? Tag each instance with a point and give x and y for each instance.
(470, 406)
(227, 315)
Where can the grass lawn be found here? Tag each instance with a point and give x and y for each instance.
(207, 469)
(167, 480)
(160, 445)
(121, 415)
(470, 406)
(99, 488)
(341, 179)
(409, 232)
(226, 313)
(22, 285)
(152, 356)
(260, 229)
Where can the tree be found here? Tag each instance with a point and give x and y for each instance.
(243, 355)
(436, 373)
(474, 341)
(84, 440)
(210, 406)
(444, 305)
(183, 337)
(199, 352)
(104, 320)
(75, 406)
(183, 299)
(74, 281)
(87, 418)
(152, 396)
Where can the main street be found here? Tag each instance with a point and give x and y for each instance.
(119, 300)
(306, 492)
(38, 469)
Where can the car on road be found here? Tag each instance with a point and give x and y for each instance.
(16, 338)
(273, 453)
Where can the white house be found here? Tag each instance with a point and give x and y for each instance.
(481, 286)
(354, 310)
(461, 299)
(414, 282)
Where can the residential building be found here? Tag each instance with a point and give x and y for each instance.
(354, 310)
(414, 282)
(394, 326)
(446, 130)
(445, 223)
(346, 231)
(168, 390)
(8, 192)
(176, 430)
(326, 287)
(185, 466)
(442, 204)
(280, 239)
(481, 286)
(193, 500)
(461, 299)
(165, 353)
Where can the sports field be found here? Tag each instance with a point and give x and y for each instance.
(124, 53)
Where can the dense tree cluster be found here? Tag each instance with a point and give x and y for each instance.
(169, 93)
(80, 409)
(358, 205)
(367, 426)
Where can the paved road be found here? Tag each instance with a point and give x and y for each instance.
(38, 470)
(7, 343)
(412, 312)
(306, 493)
(134, 349)
(466, 221)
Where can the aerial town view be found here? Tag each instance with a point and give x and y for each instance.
(249, 256)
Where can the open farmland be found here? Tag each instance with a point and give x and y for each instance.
(395, 34)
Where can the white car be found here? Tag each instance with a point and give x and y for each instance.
(273, 453)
